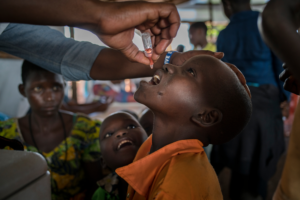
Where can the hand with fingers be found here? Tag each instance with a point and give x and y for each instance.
(118, 22)
(290, 83)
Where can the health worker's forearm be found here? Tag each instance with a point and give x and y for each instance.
(113, 65)
(78, 13)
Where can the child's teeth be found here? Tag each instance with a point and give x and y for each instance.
(156, 79)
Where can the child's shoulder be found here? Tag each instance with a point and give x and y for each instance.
(195, 167)
(193, 175)
(187, 162)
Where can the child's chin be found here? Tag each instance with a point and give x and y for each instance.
(138, 96)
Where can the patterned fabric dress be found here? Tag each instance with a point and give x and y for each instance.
(67, 175)
(108, 188)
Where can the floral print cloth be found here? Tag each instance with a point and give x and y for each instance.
(67, 173)
(108, 188)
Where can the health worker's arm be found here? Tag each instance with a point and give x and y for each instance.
(75, 60)
(50, 49)
(113, 22)
(113, 65)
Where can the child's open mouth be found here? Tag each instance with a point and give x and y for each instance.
(124, 143)
(155, 80)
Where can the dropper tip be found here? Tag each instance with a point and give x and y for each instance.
(151, 66)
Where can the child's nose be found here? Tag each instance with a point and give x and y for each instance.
(169, 68)
(121, 133)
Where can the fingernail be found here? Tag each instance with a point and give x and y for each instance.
(218, 53)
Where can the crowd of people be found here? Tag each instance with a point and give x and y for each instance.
(213, 107)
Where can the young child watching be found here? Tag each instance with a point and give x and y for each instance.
(120, 138)
(202, 102)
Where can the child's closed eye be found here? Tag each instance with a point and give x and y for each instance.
(191, 71)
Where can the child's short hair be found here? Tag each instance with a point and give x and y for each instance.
(131, 113)
(27, 68)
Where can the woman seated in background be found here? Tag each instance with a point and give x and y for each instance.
(68, 142)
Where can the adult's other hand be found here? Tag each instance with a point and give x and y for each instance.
(290, 83)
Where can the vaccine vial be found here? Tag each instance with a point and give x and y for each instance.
(146, 37)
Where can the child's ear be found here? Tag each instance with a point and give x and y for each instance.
(208, 118)
(22, 90)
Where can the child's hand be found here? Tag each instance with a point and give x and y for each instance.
(290, 83)
(179, 58)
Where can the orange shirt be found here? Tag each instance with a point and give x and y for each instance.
(179, 170)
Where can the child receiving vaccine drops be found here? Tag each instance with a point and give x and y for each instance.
(202, 102)
(120, 138)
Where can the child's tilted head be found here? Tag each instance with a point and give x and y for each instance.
(43, 89)
(205, 96)
(121, 136)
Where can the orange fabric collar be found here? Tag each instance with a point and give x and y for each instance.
(141, 173)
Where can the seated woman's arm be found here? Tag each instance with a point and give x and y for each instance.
(87, 108)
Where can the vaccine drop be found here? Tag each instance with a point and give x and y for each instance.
(146, 37)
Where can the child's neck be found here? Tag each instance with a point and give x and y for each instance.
(167, 130)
